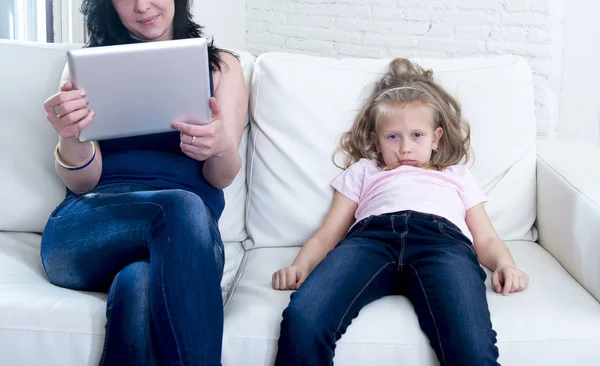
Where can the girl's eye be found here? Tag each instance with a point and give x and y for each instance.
(417, 134)
(393, 137)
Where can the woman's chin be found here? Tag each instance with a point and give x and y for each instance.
(150, 35)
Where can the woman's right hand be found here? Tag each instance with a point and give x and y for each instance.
(290, 278)
(68, 111)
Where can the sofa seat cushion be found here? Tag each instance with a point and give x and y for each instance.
(42, 324)
(554, 322)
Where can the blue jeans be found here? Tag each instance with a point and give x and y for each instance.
(159, 255)
(422, 256)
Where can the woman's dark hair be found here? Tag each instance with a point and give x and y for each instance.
(106, 29)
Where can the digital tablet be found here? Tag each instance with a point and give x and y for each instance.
(139, 89)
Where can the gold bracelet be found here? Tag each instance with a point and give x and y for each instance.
(74, 167)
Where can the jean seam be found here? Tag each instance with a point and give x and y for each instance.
(437, 331)
(393, 225)
(402, 239)
(357, 296)
(44, 267)
(364, 225)
(162, 289)
(151, 222)
(108, 316)
(103, 207)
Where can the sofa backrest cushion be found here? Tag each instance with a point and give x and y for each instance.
(300, 106)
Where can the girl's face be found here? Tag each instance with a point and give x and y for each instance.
(407, 136)
(147, 20)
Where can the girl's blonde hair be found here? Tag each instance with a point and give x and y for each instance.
(408, 83)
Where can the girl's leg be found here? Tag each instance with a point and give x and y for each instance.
(357, 272)
(445, 283)
(92, 238)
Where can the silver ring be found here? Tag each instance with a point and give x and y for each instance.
(193, 139)
(56, 112)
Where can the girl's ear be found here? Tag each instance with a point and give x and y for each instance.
(438, 135)
(374, 138)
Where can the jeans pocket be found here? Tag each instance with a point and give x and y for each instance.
(65, 205)
(457, 235)
(361, 225)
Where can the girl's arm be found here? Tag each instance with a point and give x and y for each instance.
(493, 252)
(332, 231)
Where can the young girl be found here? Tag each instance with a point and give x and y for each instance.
(418, 212)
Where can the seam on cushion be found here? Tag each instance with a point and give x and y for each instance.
(425, 345)
(226, 276)
(250, 173)
(229, 275)
(237, 263)
(551, 168)
(49, 332)
(381, 73)
(249, 183)
(237, 279)
(35, 45)
(273, 247)
(509, 168)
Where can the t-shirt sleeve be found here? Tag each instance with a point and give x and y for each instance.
(469, 190)
(350, 181)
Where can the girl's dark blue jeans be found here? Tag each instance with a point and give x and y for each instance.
(159, 255)
(422, 256)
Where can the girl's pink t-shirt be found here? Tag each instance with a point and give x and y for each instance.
(449, 193)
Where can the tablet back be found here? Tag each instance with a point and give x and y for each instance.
(138, 89)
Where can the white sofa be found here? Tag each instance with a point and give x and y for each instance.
(299, 105)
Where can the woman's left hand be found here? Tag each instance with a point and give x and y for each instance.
(200, 142)
(509, 279)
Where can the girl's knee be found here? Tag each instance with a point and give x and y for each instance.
(301, 319)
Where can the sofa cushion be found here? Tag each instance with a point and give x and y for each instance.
(42, 324)
(554, 322)
(300, 105)
(31, 189)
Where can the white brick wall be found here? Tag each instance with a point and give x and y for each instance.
(426, 28)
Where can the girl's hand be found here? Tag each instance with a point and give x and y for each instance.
(289, 278)
(200, 142)
(68, 111)
(509, 279)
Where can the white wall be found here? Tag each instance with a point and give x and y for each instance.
(224, 19)
(430, 28)
(580, 97)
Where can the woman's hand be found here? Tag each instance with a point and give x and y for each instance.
(68, 111)
(289, 278)
(200, 142)
(509, 279)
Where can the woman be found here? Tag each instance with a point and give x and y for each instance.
(140, 216)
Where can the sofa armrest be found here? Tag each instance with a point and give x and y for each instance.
(568, 207)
